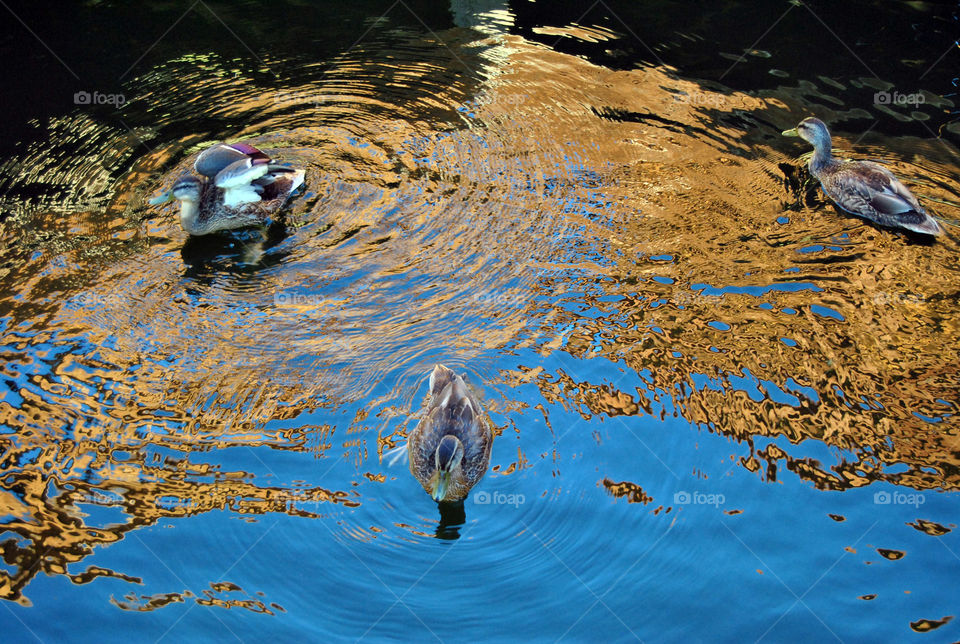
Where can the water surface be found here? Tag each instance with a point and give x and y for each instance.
(724, 409)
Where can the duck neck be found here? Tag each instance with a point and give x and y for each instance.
(822, 153)
(188, 215)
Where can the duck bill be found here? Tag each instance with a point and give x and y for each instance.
(792, 132)
(440, 488)
(162, 199)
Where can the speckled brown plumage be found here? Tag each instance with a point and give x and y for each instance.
(215, 216)
(452, 409)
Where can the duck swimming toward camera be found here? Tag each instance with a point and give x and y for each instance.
(242, 188)
(450, 448)
(863, 188)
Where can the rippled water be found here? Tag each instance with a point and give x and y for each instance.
(724, 409)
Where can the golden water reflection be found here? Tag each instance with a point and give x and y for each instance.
(589, 216)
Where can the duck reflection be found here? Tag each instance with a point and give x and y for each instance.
(225, 250)
(452, 517)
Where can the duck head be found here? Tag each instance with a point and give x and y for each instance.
(187, 190)
(813, 131)
(448, 459)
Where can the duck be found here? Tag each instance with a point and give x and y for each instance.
(241, 187)
(449, 449)
(863, 188)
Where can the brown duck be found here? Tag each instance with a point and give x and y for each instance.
(242, 187)
(450, 448)
(863, 188)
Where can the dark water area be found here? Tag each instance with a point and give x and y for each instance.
(724, 409)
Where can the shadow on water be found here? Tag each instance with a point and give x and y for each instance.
(226, 251)
(452, 518)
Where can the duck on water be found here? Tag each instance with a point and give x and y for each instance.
(863, 188)
(241, 187)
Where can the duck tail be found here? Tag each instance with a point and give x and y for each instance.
(440, 377)
(925, 225)
(296, 179)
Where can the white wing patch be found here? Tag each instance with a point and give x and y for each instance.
(233, 197)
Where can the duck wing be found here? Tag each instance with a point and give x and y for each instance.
(453, 409)
(279, 181)
(453, 412)
(424, 438)
(889, 194)
(869, 190)
(237, 179)
(465, 418)
(217, 157)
